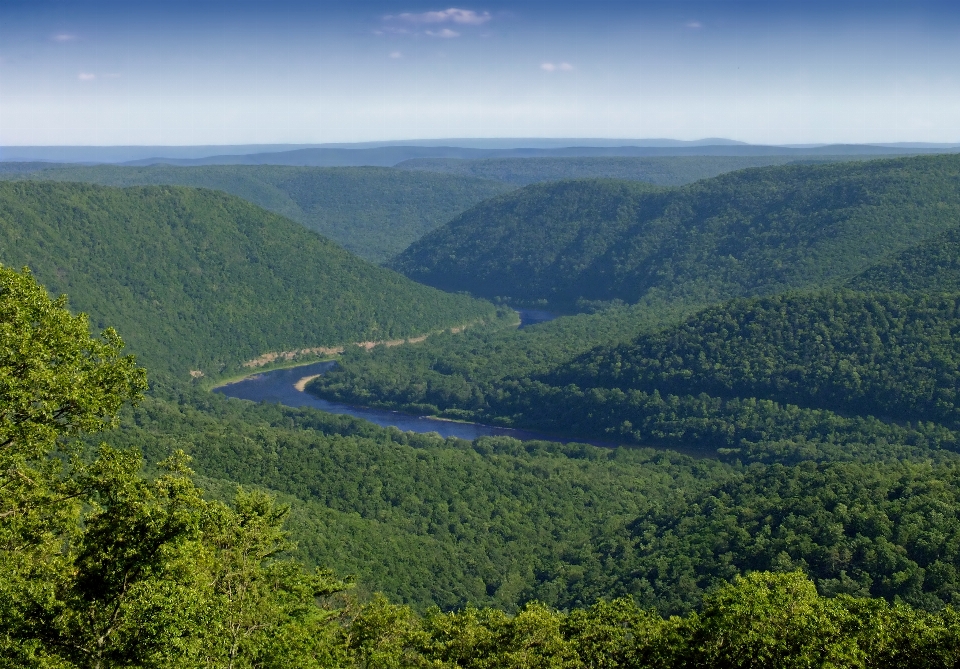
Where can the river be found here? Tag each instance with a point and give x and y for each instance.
(278, 386)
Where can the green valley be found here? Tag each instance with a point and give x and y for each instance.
(769, 356)
(374, 212)
(199, 280)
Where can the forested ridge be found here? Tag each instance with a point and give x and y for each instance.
(885, 355)
(122, 570)
(201, 280)
(787, 485)
(929, 267)
(757, 379)
(374, 212)
(755, 231)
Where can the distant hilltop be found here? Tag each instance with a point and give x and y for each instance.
(388, 154)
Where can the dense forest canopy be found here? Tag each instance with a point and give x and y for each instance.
(929, 267)
(756, 231)
(787, 483)
(201, 280)
(879, 354)
(374, 212)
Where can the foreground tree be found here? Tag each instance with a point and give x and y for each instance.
(56, 384)
(101, 567)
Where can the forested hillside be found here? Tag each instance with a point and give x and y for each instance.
(819, 496)
(931, 266)
(657, 170)
(201, 280)
(757, 231)
(499, 522)
(879, 354)
(375, 212)
(799, 378)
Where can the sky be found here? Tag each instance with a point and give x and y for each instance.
(178, 73)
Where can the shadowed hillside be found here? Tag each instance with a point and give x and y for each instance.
(756, 231)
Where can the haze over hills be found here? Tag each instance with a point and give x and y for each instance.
(392, 155)
(377, 212)
(201, 280)
(119, 154)
(386, 154)
(372, 212)
(754, 232)
(658, 170)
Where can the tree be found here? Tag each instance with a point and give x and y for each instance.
(264, 609)
(57, 383)
(771, 620)
(101, 567)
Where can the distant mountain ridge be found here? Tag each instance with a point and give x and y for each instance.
(657, 170)
(392, 155)
(386, 154)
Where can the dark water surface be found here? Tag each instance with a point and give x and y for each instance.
(277, 386)
(530, 317)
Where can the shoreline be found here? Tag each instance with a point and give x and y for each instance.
(301, 385)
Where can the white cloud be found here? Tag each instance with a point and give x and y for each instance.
(466, 17)
(396, 54)
(554, 67)
(446, 33)
(86, 76)
(694, 25)
(63, 37)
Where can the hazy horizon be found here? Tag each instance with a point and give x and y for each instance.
(104, 73)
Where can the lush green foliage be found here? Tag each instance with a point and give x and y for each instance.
(781, 378)
(879, 354)
(824, 534)
(102, 568)
(763, 620)
(196, 279)
(428, 521)
(499, 522)
(374, 212)
(757, 231)
(657, 170)
(933, 266)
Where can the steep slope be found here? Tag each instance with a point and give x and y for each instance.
(201, 280)
(756, 231)
(374, 212)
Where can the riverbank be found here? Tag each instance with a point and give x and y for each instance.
(289, 356)
(301, 385)
(287, 387)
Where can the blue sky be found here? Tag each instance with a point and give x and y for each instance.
(108, 73)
